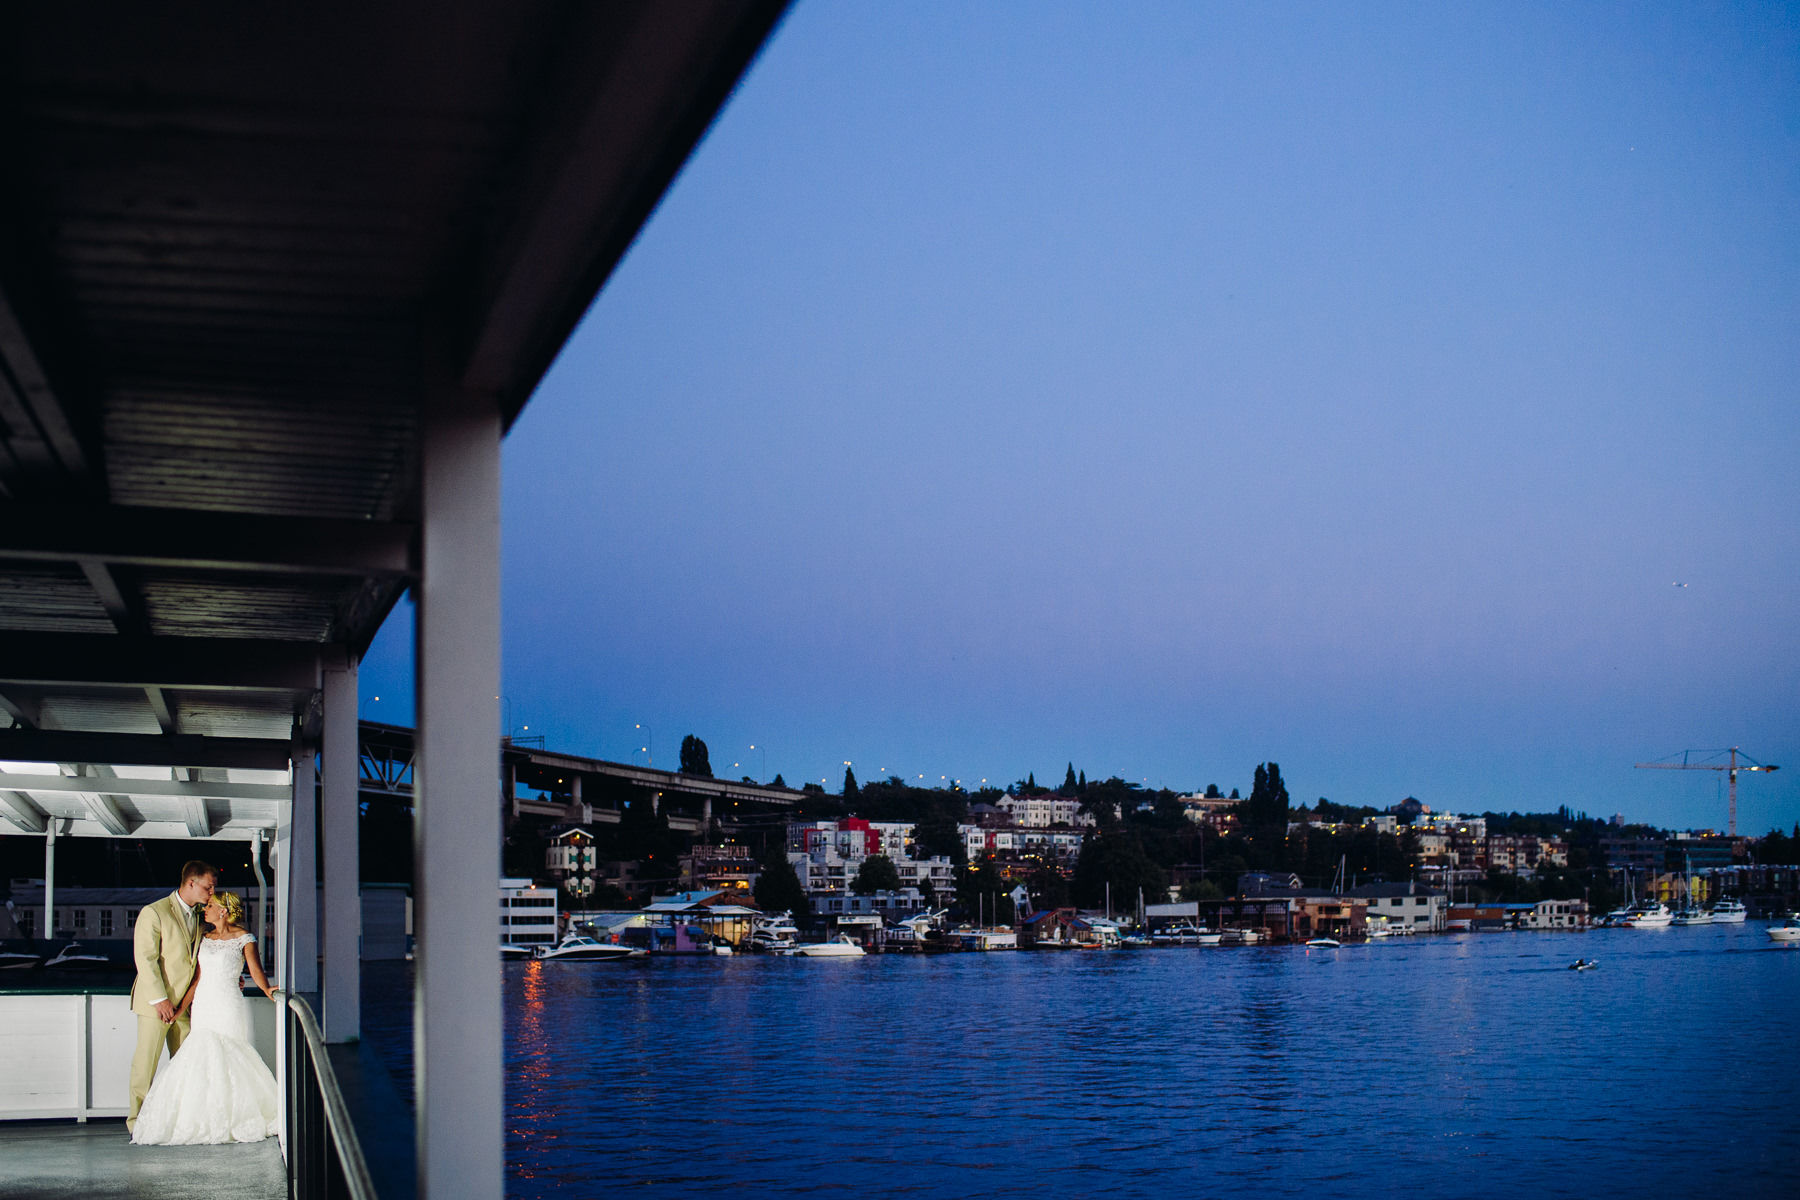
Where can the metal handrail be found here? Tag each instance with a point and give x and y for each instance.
(337, 1113)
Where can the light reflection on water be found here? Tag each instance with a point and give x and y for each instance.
(1470, 1065)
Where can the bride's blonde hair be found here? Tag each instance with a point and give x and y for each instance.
(233, 906)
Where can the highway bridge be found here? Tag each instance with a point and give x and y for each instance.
(574, 788)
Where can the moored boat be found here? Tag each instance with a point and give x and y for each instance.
(1691, 915)
(1649, 916)
(579, 947)
(840, 946)
(1729, 912)
(73, 958)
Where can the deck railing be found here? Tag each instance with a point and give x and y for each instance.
(324, 1159)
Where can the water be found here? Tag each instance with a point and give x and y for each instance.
(1463, 1065)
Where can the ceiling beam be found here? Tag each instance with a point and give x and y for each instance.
(143, 749)
(27, 383)
(159, 704)
(204, 664)
(22, 812)
(210, 541)
(105, 810)
(21, 708)
(194, 812)
(151, 788)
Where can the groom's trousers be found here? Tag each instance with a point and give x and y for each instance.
(153, 1035)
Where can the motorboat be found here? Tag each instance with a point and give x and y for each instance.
(1182, 933)
(1325, 943)
(1134, 941)
(1583, 964)
(841, 946)
(1649, 916)
(513, 952)
(74, 958)
(19, 960)
(1787, 931)
(1241, 937)
(1691, 915)
(774, 933)
(1729, 912)
(579, 947)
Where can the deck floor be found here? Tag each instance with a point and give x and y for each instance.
(60, 1160)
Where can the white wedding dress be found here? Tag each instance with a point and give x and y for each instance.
(215, 1088)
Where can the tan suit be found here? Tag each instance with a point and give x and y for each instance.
(163, 943)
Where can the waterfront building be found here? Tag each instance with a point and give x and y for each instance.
(1333, 916)
(728, 866)
(1767, 891)
(527, 913)
(1553, 914)
(1409, 905)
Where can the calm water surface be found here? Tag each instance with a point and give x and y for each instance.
(1465, 1065)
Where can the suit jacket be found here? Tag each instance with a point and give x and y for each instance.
(164, 947)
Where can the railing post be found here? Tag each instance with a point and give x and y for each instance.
(340, 1014)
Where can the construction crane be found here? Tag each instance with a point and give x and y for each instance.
(1731, 766)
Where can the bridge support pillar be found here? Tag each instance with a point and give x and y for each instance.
(457, 1012)
(342, 983)
(706, 814)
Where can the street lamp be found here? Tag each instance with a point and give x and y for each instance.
(650, 740)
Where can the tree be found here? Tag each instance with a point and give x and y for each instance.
(1081, 782)
(1268, 803)
(877, 874)
(778, 781)
(1212, 792)
(693, 757)
(849, 782)
(938, 836)
(1115, 856)
(1069, 784)
(778, 886)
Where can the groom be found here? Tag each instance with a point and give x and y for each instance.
(164, 942)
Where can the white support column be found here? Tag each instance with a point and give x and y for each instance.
(457, 1011)
(300, 860)
(341, 1020)
(49, 930)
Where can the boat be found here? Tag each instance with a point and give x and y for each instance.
(1325, 943)
(19, 960)
(1134, 941)
(1182, 933)
(988, 939)
(1649, 916)
(74, 958)
(841, 946)
(1583, 964)
(1787, 931)
(774, 933)
(1691, 914)
(1729, 912)
(579, 947)
(1241, 937)
(513, 952)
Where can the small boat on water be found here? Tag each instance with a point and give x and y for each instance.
(1787, 931)
(579, 947)
(1242, 937)
(1185, 933)
(1691, 914)
(841, 946)
(74, 958)
(1583, 964)
(19, 960)
(1729, 912)
(1325, 943)
(1649, 916)
(513, 952)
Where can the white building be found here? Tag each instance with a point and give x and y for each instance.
(1407, 905)
(1556, 914)
(527, 913)
(1041, 812)
(572, 861)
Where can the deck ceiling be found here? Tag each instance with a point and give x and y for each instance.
(240, 248)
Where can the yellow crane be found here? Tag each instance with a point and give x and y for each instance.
(1731, 766)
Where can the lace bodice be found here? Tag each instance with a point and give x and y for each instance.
(218, 1002)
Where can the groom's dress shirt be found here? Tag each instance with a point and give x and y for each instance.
(181, 906)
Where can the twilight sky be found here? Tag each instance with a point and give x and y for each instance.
(1168, 388)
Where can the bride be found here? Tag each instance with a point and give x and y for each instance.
(215, 1088)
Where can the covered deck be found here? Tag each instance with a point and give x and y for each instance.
(274, 282)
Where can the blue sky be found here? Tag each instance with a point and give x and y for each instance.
(1170, 388)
